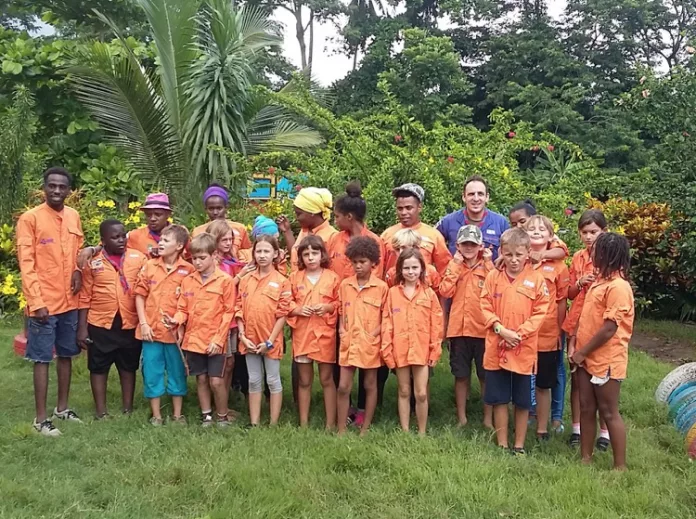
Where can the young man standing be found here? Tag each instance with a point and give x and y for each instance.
(48, 239)
(475, 197)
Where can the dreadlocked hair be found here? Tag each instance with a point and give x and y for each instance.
(611, 254)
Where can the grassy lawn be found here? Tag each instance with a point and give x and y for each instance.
(125, 468)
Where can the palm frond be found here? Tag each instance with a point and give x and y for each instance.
(273, 129)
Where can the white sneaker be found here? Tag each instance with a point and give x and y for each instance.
(46, 428)
(67, 414)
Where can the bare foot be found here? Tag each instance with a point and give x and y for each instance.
(620, 468)
(462, 423)
(363, 432)
(488, 425)
(586, 461)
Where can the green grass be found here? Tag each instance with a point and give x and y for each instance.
(124, 468)
(685, 332)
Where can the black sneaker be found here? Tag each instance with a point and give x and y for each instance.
(518, 451)
(602, 444)
(543, 437)
(46, 428)
(67, 414)
(574, 440)
(207, 420)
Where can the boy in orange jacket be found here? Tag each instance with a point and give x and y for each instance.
(206, 308)
(466, 330)
(107, 316)
(514, 302)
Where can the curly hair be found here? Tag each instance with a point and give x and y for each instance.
(611, 253)
(363, 247)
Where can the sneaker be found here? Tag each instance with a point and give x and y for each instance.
(543, 437)
(574, 440)
(602, 444)
(207, 420)
(156, 422)
(518, 451)
(178, 420)
(66, 414)
(46, 428)
(559, 429)
(359, 419)
(223, 421)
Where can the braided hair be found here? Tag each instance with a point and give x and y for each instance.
(611, 253)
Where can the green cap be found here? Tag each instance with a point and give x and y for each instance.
(470, 234)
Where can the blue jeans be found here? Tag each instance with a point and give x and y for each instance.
(558, 392)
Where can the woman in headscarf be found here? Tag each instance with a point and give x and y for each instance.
(216, 199)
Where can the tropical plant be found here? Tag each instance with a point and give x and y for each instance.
(169, 118)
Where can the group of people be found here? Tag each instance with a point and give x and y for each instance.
(214, 304)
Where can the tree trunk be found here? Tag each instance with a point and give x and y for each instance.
(300, 34)
(311, 44)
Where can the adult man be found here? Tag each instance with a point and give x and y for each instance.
(475, 196)
(48, 239)
(157, 212)
(409, 204)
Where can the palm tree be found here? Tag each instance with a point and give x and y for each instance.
(169, 120)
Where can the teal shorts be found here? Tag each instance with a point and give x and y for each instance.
(163, 370)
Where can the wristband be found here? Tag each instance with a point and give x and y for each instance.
(269, 345)
(497, 327)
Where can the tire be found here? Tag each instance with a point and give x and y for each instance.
(674, 379)
(684, 399)
(686, 418)
(678, 392)
(690, 436)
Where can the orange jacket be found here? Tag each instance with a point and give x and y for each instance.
(580, 266)
(141, 240)
(464, 285)
(104, 295)
(314, 336)
(433, 246)
(557, 243)
(519, 305)
(607, 300)
(324, 231)
(207, 309)
(557, 281)
(361, 321)
(241, 236)
(432, 278)
(340, 263)
(261, 302)
(161, 290)
(47, 247)
(412, 328)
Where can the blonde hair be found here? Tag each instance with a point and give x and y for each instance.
(203, 243)
(515, 237)
(219, 229)
(406, 238)
(545, 221)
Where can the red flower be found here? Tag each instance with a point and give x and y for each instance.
(550, 147)
(511, 135)
(450, 159)
(568, 211)
(271, 170)
(398, 138)
(298, 187)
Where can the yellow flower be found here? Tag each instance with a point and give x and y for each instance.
(110, 204)
(135, 218)
(134, 205)
(9, 279)
(100, 204)
(431, 160)
(22, 302)
(424, 151)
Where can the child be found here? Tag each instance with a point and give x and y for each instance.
(591, 225)
(406, 238)
(361, 298)
(514, 302)
(412, 326)
(312, 317)
(261, 311)
(540, 231)
(206, 309)
(156, 295)
(519, 214)
(107, 316)
(601, 348)
(463, 282)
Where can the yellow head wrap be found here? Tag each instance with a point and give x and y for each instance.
(315, 200)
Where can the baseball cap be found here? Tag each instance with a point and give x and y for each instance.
(470, 234)
(413, 189)
(157, 201)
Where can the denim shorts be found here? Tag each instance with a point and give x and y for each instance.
(503, 387)
(59, 331)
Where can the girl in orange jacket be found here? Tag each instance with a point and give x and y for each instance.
(261, 309)
(312, 317)
(412, 330)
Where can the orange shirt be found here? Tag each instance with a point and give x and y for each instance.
(580, 266)
(519, 305)
(433, 246)
(314, 336)
(432, 278)
(207, 309)
(261, 302)
(241, 236)
(161, 290)
(340, 263)
(324, 231)
(47, 245)
(361, 321)
(141, 240)
(607, 300)
(103, 293)
(464, 284)
(557, 243)
(412, 328)
(557, 281)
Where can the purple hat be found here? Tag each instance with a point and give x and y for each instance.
(157, 201)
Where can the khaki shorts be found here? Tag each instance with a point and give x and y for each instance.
(232, 342)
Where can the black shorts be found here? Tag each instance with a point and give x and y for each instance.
(113, 346)
(503, 387)
(204, 364)
(547, 369)
(464, 351)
